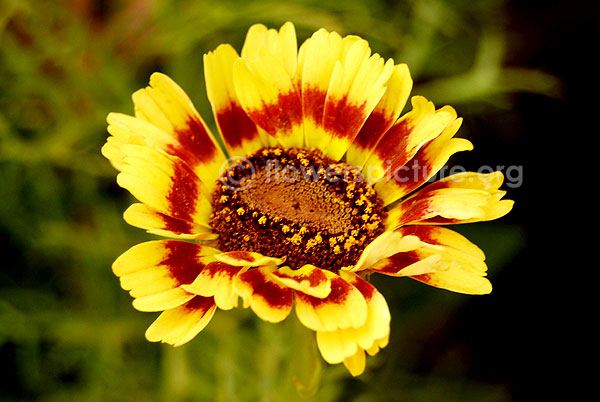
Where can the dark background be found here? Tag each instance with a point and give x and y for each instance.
(519, 72)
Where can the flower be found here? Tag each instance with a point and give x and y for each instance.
(314, 183)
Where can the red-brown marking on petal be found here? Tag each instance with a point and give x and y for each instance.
(342, 118)
(392, 145)
(426, 278)
(280, 116)
(416, 171)
(339, 293)
(438, 185)
(176, 226)
(315, 278)
(184, 192)
(411, 175)
(415, 210)
(235, 125)
(182, 261)
(218, 267)
(424, 233)
(199, 303)
(364, 287)
(313, 103)
(418, 208)
(399, 261)
(370, 133)
(273, 294)
(195, 143)
(241, 255)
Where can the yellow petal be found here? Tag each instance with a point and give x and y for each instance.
(282, 44)
(179, 325)
(461, 198)
(337, 345)
(382, 117)
(344, 307)
(428, 161)
(216, 280)
(462, 263)
(269, 300)
(240, 134)
(356, 363)
(142, 216)
(164, 183)
(308, 279)
(356, 86)
(165, 105)
(386, 244)
(318, 58)
(268, 96)
(402, 141)
(153, 272)
(247, 259)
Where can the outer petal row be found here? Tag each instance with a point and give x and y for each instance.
(461, 198)
(165, 105)
(347, 345)
(153, 272)
(441, 258)
(188, 282)
(173, 194)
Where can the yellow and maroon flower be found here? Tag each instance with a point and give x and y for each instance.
(319, 184)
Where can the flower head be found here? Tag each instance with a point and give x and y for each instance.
(319, 183)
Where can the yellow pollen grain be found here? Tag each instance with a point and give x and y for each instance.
(303, 230)
(223, 199)
(337, 249)
(240, 211)
(350, 241)
(285, 228)
(246, 238)
(365, 217)
(262, 220)
(296, 239)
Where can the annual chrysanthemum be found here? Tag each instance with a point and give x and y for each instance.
(313, 183)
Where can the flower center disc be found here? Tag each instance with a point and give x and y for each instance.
(297, 204)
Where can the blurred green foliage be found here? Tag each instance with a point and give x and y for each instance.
(67, 330)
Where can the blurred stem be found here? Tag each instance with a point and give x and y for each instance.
(306, 362)
(176, 374)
